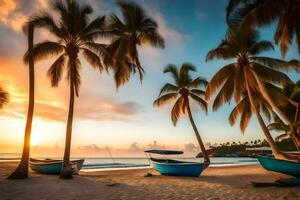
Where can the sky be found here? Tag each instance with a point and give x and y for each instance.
(123, 120)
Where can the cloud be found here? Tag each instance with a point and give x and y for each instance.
(134, 147)
(95, 150)
(172, 36)
(191, 147)
(10, 15)
(90, 109)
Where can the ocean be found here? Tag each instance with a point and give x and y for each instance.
(117, 163)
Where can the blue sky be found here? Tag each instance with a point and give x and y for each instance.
(122, 119)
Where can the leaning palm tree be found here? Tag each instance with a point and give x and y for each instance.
(262, 12)
(249, 73)
(74, 34)
(22, 170)
(187, 89)
(136, 29)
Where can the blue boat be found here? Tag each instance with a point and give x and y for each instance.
(175, 167)
(50, 166)
(281, 166)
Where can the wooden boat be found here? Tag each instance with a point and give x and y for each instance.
(50, 166)
(175, 167)
(281, 166)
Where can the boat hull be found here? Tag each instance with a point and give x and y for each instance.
(177, 168)
(53, 166)
(281, 166)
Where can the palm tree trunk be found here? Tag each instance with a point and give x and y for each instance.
(66, 172)
(204, 152)
(266, 132)
(22, 171)
(266, 95)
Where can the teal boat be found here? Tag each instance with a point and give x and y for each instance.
(174, 167)
(281, 166)
(50, 166)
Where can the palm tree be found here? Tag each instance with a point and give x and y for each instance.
(3, 97)
(136, 29)
(249, 73)
(291, 91)
(22, 170)
(262, 12)
(186, 88)
(74, 34)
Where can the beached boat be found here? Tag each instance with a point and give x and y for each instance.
(50, 166)
(174, 167)
(281, 166)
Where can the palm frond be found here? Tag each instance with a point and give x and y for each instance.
(56, 70)
(198, 92)
(282, 136)
(45, 20)
(201, 102)
(277, 63)
(245, 118)
(198, 82)
(4, 98)
(178, 110)
(122, 71)
(93, 28)
(218, 79)
(225, 94)
(92, 58)
(232, 4)
(260, 47)
(220, 53)
(270, 75)
(44, 49)
(237, 110)
(281, 127)
(172, 69)
(163, 99)
(168, 87)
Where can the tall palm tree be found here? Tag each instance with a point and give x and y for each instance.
(3, 97)
(262, 12)
(249, 73)
(74, 34)
(136, 29)
(22, 170)
(186, 88)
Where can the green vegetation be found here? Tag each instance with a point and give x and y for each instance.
(239, 148)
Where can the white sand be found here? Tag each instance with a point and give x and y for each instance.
(214, 183)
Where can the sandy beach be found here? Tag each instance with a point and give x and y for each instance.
(214, 183)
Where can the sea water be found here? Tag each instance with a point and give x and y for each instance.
(108, 163)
